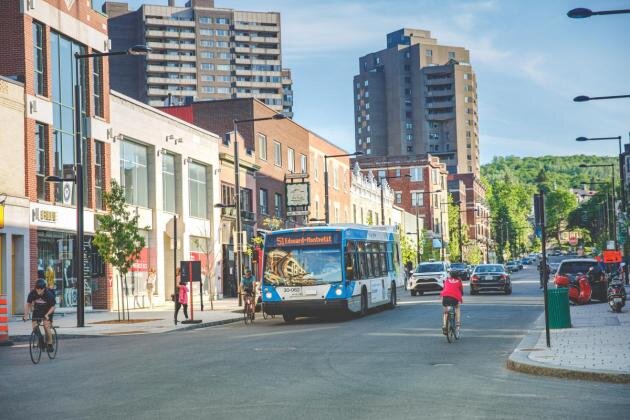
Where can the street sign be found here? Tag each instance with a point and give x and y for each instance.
(612, 256)
(298, 213)
(296, 176)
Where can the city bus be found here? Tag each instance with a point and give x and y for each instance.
(333, 269)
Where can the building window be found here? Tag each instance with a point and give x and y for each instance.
(277, 153)
(99, 173)
(197, 190)
(223, 44)
(262, 147)
(434, 176)
(417, 199)
(206, 20)
(398, 198)
(38, 58)
(428, 53)
(223, 67)
(316, 168)
(290, 159)
(227, 195)
(221, 32)
(168, 181)
(303, 164)
(397, 173)
(451, 55)
(207, 43)
(223, 90)
(207, 89)
(223, 21)
(382, 174)
(416, 174)
(134, 176)
(335, 177)
(207, 54)
(246, 199)
(277, 202)
(40, 160)
(97, 87)
(206, 32)
(207, 66)
(263, 204)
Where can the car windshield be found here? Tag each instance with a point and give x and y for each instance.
(302, 266)
(430, 268)
(574, 267)
(494, 268)
(458, 266)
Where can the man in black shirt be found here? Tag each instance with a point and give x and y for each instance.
(42, 302)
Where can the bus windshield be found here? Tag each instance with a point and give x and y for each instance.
(302, 266)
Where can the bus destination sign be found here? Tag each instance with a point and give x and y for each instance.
(300, 239)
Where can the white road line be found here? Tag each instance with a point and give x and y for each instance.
(284, 332)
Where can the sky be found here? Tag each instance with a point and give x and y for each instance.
(531, 60)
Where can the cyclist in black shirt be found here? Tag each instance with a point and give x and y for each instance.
(42, 302)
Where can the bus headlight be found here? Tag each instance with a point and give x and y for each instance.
(338, 292)
(268, 295)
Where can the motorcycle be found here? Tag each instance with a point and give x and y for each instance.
(580, 289)
(616, 293)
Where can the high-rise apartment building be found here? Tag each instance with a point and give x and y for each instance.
(199, 52)
(418, 97)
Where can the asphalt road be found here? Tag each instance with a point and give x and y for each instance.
(391, 364)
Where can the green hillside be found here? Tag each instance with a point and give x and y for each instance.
(560, 171)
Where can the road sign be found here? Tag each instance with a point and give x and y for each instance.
(298, 213)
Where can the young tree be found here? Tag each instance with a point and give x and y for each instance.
(117, 238)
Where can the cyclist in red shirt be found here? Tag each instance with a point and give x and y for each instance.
(452, 296)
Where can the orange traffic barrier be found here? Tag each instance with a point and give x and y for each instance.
(4, 322)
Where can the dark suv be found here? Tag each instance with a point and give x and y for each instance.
(573, 267)
(460, 271)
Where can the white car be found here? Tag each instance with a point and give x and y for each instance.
(428, 277)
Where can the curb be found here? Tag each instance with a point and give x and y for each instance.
(519, 361)
(25, 338)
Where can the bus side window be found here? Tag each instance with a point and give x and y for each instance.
(350, 263)
(383, 258)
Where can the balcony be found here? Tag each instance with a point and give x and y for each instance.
(255, 28)
(163, 69)
(170, 22)
(244, 83)
(243, 72)
(172, 57)
(256, 61)
(259, 95)
(170, 45)
(439, 81)
(169, 34)
(440, 116)
(265, 39)
(440, 104)
(169, 81)
(165, 92)
(442, 92)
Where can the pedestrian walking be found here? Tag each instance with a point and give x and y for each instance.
(182, 298)
(150, 286)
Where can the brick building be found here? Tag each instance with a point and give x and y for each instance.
(43, 36)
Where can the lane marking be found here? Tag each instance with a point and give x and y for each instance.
(267, 334)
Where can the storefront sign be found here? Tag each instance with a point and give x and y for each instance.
(44, 216)
(297, 194)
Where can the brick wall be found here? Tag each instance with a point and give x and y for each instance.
(12, 31)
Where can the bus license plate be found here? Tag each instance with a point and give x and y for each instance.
(292, 291)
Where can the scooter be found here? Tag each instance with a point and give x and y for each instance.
(580, 289)
(616, 294)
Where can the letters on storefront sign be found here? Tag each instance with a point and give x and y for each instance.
(47, 216)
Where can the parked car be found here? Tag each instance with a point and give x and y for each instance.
(573, 267)
(490, 277)
(512, 266)
(460, 270)
(427, 277)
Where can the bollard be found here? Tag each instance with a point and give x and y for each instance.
(4, 322)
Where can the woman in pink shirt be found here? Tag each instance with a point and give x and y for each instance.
(452, 296)
(182, 299)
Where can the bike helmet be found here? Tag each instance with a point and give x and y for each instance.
(40, 284)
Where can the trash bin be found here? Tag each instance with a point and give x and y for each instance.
(558, 306)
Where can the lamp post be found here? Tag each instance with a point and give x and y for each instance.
(78, 170)
(237, 199)
(584, 98)
(433, 220)
(582, 13)
(614, 210)
(382, 193)
(621, 186)
(326, 157)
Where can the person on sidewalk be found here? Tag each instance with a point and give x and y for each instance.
(182, 299)
(151, 285)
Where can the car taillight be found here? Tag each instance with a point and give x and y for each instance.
(475, 278)
(504, 277)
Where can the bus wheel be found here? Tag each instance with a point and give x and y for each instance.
(288, 317)
(364, 304)
(393, 299)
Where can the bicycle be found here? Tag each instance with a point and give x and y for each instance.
(37, 342)
(452, 332)
(248, 309)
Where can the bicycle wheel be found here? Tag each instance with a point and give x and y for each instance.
(34, 347)
(55, 343)
(450, 331)
(245, 315)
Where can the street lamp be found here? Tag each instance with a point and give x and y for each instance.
(326, 157)
(237, 197)
(78, 170)
(614, 211)
(382, 193)
(621, 186)
(584, 98)
(582, 13)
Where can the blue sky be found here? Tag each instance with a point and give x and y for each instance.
(530, 60)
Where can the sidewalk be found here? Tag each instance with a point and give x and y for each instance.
(596, 348)
(143, 321)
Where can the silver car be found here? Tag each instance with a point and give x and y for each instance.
(428, 277)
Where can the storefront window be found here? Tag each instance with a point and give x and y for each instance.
(56, 264)
(168, 180)
(134, 176)
(137, 276)
(197, 190)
